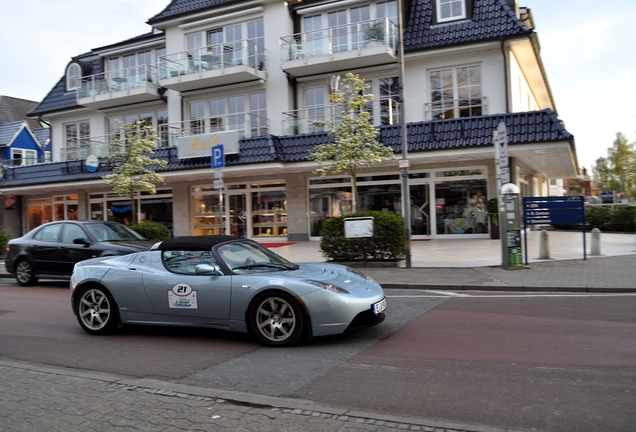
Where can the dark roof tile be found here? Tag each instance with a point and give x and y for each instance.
(523, 128)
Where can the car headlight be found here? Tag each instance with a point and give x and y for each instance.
(327, 286)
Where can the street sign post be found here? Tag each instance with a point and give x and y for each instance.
(218, 157)
(218, 163)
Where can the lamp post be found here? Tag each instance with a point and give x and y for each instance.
(406, 193)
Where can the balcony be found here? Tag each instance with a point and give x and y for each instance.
(120, 87)
(213, 65)
(321, 118)
(248, 125)
(455, 108)
(82, 148)
(350, 46)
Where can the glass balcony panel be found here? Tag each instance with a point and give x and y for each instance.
(321, 118)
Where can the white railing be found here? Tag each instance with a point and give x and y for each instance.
(322, 117)
(455, 108)
(211, 57)
(349, 37)
(121, 80)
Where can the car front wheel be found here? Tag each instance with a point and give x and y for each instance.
(96, 311)
(277, 319)
(24, 273)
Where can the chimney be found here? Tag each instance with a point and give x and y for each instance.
(514, 5)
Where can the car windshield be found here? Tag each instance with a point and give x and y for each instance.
(112, 232)
(248, 257)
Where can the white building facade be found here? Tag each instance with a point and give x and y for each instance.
(265, 69)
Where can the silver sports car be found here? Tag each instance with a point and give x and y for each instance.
(226, 283)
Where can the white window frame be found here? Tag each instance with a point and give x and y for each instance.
(453, 16)
(73, 76)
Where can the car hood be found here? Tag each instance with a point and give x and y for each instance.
(336, 274)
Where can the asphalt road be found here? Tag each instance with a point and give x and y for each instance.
(517, 361)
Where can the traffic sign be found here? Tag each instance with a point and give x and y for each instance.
(218, 157)
(218, 184)
(501, 144)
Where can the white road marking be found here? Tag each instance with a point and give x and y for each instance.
(520, 295)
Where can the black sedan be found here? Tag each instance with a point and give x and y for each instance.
(51, 250)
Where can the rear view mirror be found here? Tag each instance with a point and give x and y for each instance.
(81, 240)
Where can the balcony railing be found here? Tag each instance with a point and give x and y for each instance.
(322, 117)
(82, 148)
(455, 108)
(248, 125)
(212, 57)
(112, 83)
(349, 37)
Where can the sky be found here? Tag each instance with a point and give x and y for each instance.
(588, 50)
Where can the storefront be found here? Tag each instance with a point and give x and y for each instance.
(254, 210)
(442, 201)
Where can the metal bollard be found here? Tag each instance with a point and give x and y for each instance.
(595, 246)
(544, 245)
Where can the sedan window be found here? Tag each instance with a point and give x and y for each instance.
(71, 232)
(49, 233)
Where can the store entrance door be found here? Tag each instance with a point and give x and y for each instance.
(237, 212)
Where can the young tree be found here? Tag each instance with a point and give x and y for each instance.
(617, 171)
(354, 145)
(132, 165)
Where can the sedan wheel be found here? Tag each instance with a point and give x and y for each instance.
(96, 311)
(24, 272)
(277, 320)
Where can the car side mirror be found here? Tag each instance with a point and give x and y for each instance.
(81, 240)
(203, 269)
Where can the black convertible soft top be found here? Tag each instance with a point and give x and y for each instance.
(194, 242)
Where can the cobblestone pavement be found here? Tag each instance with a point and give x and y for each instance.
(37, 399)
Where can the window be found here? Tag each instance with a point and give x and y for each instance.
(77, 140)
(16, 157)
(71, 232)
(185, 261)
(73, 76)
(448, 10)
(49, 233)
(456, 92)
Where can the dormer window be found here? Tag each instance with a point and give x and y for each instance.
(450, 10)
(73, 76)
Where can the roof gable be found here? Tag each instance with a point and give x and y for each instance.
(178, 8)
(489, 20)
(15, 109)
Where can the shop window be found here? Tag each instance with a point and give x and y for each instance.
(460, 207)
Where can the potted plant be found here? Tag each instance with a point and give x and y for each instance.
(492, 206)
(374, 34)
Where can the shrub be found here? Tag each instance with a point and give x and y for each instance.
(623, 219)
(387, 243)
(152, 230)
(5, 236)
(598, 217)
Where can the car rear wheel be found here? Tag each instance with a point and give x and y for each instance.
(277, 319)
(96, 311)
(24, 273)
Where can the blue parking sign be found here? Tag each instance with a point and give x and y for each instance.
(218, 157)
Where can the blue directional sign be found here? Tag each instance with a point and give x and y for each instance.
(553, 210)
(218, 157)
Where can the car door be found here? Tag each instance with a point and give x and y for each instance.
(44, 249)
(71, 253)
(178, 294)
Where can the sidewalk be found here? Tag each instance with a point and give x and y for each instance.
(476, 264)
